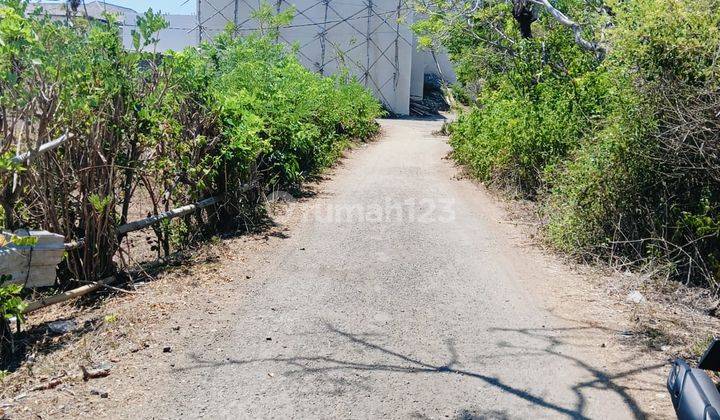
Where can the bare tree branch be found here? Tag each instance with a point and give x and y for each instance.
(574, 26)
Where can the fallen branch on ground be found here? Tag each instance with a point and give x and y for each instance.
(70, 294)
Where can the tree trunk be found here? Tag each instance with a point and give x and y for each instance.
(524, 15)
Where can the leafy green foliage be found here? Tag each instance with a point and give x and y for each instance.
(209, 121)
(536, 99)
(646, 185)
(148, 25)
(512, 137)
(594, 193)
(11, 304)
(622, 153)
(269, 20)
(271, 106)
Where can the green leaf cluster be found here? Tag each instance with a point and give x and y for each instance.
(622, 153)
(179, 127)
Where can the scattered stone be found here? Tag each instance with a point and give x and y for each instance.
(167, 349)
(100, 392)
(635, 297)
(62, 327)
(137, 349)
(603, 345)
(176, 328)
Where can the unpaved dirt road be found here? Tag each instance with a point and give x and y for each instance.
(398, 293)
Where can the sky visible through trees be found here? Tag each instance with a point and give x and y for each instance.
(186, 7)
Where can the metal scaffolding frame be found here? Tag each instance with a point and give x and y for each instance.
(366, 23)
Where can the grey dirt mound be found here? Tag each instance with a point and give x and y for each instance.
(397, 292)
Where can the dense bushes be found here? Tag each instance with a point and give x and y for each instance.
(534, 100)
(513, 135)
(646, 186)
(620, 146)
(217, 120)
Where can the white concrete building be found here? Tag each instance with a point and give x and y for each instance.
(370, 38)
(182, 30)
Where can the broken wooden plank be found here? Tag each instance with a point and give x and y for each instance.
(178, 212)
(70, 294)
(30, 154)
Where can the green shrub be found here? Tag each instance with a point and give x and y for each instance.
(270, 105)
(11, 304)
(529, 118)
(646, 186)
(591, 199)
(621, 149)
(232, 118)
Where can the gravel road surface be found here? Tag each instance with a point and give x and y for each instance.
(397, 293)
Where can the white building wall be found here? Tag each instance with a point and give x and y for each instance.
(127, 20)
(181, 33)
(362, 36)
(424, 63)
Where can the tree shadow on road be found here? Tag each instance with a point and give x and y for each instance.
(602, 380)
(407, 364)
